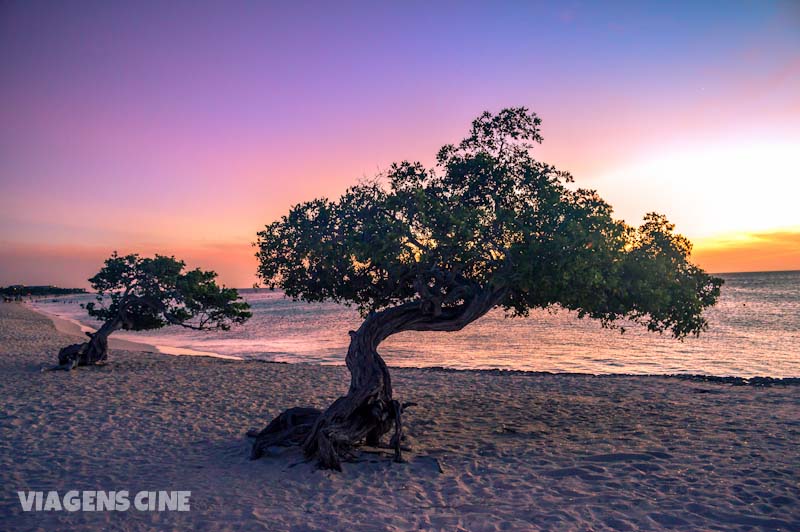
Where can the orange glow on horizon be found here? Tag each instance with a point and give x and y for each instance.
(749, 252)
(235, 262)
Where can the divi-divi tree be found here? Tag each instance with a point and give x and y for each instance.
(421, 249)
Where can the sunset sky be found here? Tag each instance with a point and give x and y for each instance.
(184, 127)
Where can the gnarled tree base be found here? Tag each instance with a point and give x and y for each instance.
(331, 437)
(85, 354)
(290, 428)
(368, 411)
(364, 415)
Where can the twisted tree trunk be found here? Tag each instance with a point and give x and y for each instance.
(368, 411)
(91, 352)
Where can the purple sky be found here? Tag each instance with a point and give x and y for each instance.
(183, 127)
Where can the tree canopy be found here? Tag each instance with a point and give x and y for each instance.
(488, 219)
(149, 293)
(434, 249)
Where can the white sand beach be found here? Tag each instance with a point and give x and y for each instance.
(489, 450)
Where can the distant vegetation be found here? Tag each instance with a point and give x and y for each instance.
(138, 293)
(19, 291)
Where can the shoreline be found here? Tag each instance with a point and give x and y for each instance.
(695, 377)
(75, 328)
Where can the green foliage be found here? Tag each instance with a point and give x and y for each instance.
(19, 290)
(488, 217)
(144, 293)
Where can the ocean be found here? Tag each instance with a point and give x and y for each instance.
(754, 330)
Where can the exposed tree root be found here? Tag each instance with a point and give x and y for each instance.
(368, 411)
(85, 354)
(290, 428)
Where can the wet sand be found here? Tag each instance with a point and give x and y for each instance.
(73, 328)
(490, 450)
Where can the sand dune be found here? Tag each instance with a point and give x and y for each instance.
(490, 450)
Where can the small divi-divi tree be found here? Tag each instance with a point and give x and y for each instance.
(136, 294)
(435, 249)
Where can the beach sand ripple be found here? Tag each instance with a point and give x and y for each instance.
(489, 450)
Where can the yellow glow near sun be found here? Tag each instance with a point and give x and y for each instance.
(723, 189)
